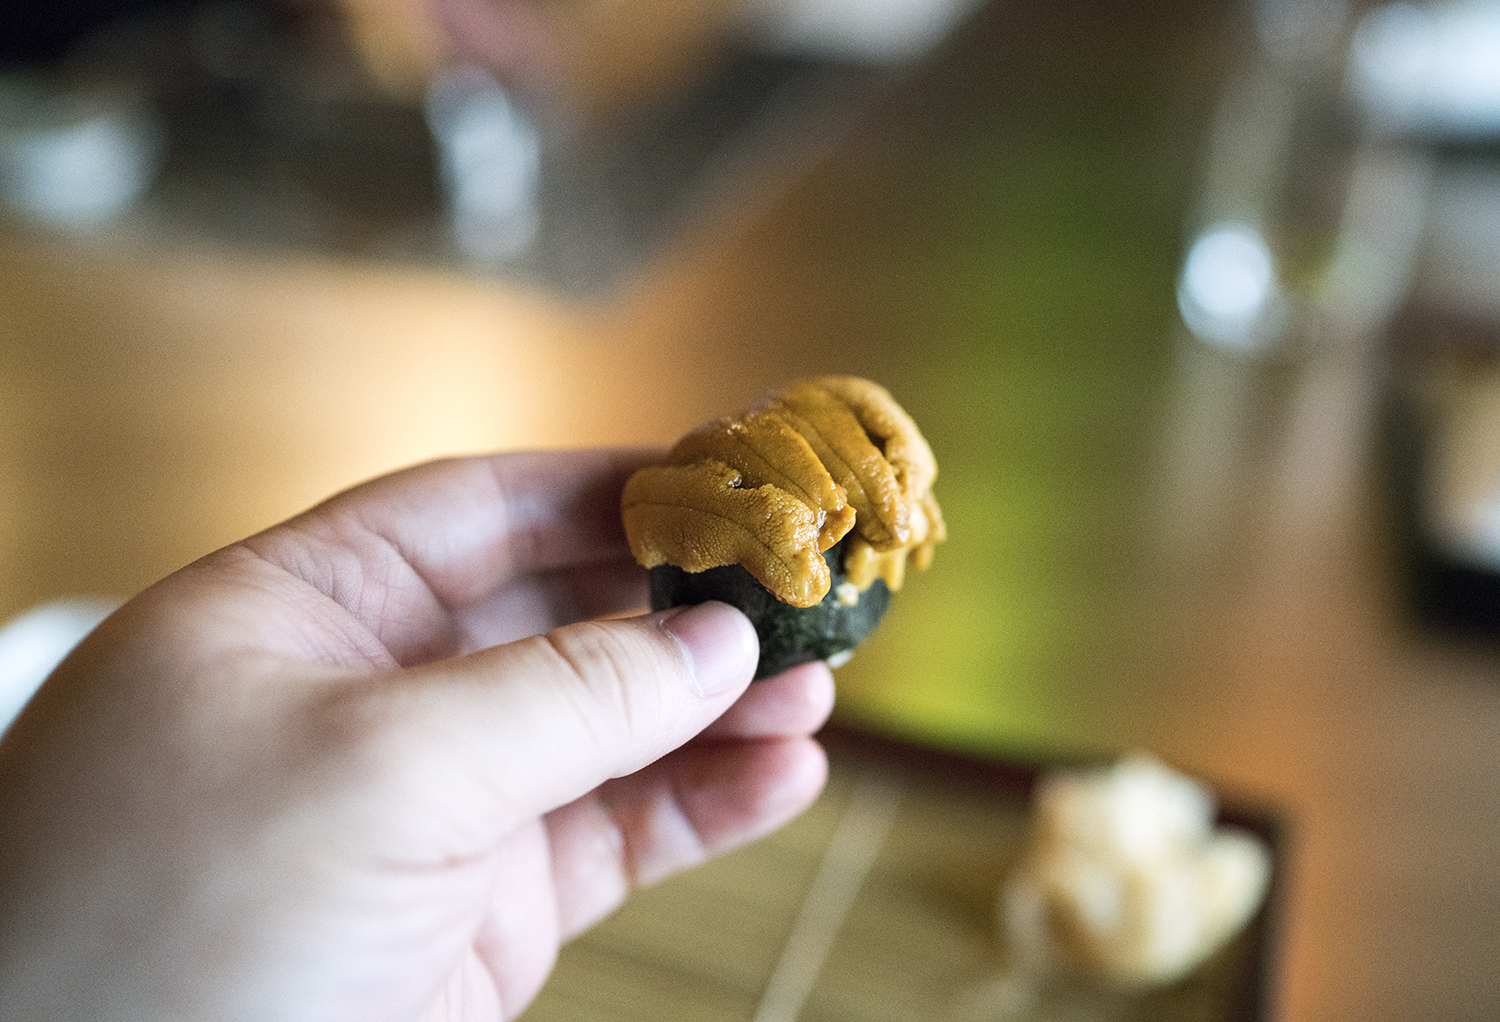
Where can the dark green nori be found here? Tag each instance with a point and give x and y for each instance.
(788, 635)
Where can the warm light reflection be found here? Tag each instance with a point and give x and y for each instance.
(159, 404)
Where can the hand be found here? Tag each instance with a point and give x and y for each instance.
(335, 772)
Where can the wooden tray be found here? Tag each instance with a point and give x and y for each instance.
(879, 903)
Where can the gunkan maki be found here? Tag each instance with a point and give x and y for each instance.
(828, 630)
(803, 512)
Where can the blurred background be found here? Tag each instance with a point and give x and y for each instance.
(1198, 304)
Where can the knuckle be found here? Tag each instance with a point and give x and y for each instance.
(615, 673)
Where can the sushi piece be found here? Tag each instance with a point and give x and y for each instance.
(803, 512)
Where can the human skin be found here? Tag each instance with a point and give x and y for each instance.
(379, 761)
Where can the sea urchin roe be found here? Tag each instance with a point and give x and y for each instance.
(703, 516)
(772, 488)
(864, 564)
(850, 456)
(766, 448)
(889, 428)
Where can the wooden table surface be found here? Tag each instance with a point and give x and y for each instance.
(998, 244)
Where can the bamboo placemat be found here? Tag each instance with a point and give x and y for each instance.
(878, 903)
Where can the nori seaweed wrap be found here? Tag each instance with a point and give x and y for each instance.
(828, 630)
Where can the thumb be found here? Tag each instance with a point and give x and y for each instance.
(537, 723)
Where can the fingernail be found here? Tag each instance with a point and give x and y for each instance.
(720, 645)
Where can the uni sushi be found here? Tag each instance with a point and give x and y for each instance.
(803, 512)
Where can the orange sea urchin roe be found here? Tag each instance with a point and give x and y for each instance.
(775, 487)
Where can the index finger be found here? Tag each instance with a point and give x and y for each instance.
(407, 551)
(467, 524)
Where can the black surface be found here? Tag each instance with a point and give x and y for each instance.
(35, 31)
(788, 635)
(1444, 592)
